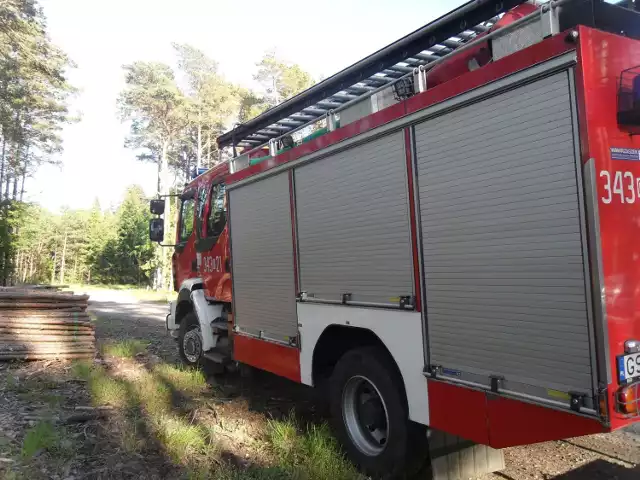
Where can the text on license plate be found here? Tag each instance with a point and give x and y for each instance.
(629, 367)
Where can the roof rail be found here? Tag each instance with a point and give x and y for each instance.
(425, 45)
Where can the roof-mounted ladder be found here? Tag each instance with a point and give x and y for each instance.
(408, 58)
(423, 46)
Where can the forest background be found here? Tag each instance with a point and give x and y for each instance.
(173, 116)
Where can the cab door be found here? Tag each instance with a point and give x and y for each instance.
(212, 243)
(184, 256)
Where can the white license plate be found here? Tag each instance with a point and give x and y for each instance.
(629, 367)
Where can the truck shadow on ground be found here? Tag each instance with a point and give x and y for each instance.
(264, 392)
(249, 421)
(601, 469)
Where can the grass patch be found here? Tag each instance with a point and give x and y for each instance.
(310, 453)
(44, 436)
(104, 389)
(187, 381)
(108, 391)
(124, 348)
(153, 407)
(82, 369)
(182, 441)
(153, 395)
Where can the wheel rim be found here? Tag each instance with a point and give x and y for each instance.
(365, 415)
(192, 345)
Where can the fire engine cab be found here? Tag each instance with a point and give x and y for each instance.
(444, 236)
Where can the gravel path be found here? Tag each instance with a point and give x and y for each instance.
(120, 316)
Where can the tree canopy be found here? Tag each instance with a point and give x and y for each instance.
(175, 116)
(34, 92)
(83, 246)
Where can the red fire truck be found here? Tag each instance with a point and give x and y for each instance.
(443, 235)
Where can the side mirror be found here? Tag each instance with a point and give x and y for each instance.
(157, 206)
(156, 230)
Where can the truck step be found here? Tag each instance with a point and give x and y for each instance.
(220, 326)
(217, 356)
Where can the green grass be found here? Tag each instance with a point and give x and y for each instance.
(182, 440)
(82, 369)
(104, 389)
(187, 381)
(153, 394)
(310, 453)
(124, 348)
(147, 401)
(44, 436)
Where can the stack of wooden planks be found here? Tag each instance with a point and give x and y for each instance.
(40, 325)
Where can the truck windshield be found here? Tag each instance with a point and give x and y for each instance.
(217, 216)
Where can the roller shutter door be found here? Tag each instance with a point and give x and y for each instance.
(353, 224)
(262, 252)
(502, 244)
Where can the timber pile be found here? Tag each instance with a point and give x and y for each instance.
(40, 325)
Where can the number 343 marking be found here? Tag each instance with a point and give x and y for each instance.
(622, 187)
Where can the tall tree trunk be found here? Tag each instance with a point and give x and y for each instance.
(187, 168)
(16, 171)
(53, 269)
(165, 264)
(199, 157)
(31, 267)
(15, 188)
(18, 264)
(7, 184)
(209, 147)
(62, 261)
(25, 267)
(24, 174)
(2, 163)
(159, 178)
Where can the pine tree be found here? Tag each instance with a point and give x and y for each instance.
(155, 108)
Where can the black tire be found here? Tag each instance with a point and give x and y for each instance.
(404, 451)
(189, 322)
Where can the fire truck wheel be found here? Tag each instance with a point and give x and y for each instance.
(370, 416)
(190, 340)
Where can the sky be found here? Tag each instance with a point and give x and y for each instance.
(100, 37)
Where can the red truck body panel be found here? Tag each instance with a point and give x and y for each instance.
(602, 58)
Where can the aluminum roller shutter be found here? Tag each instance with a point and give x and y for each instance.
(502, 243)
(262, 252)
(353, 224)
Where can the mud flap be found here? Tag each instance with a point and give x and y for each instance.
(455, 458)
(206, 314)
